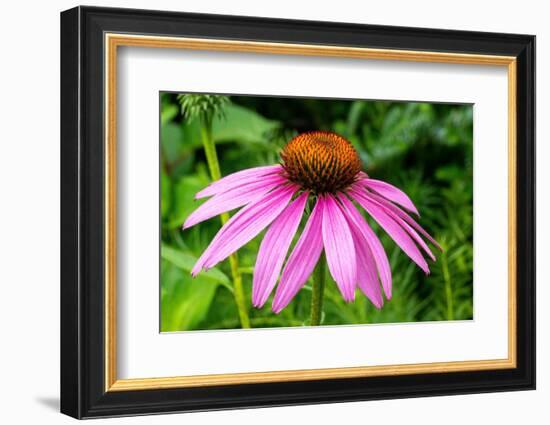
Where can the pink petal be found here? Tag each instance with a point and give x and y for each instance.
(237, 179)
(339, 248)
(403, 216)
(244, 226)
(302, 260)
(403, 224)
(233, 198)
(367, 278)
(390, 192)
(400, 236)
(375, 246)
(273, 250)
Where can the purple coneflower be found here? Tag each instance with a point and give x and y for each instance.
(325, 168)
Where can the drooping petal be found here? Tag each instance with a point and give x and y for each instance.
(302, 260)
(233, 198)
(339, 247)
(367, 277)
(403, 216)
(237, 179)
(404, 225)
(244, 226)
(390, 192)
(273, 249)
(397, 233)
(376, 248)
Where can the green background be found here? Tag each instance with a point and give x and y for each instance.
(424, 149)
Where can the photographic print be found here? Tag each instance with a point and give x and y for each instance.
(284, 212)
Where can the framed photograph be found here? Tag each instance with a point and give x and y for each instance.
(261, 212)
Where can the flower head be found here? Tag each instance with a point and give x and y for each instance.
(321, 162)
(325, 168)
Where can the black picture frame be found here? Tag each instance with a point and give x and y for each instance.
(82, 212)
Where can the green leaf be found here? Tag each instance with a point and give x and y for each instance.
(186, 261)
(171, 137)
(354, 116)
(191, 135)
(169, 111)
(184, 201)
(165, 194)
(242, 125)
(185, 300)
(239, 124)
(178, 140)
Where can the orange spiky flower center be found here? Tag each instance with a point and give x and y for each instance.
(321, 161)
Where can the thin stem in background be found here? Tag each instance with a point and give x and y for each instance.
(448, 286)
(317, 293)
(215, 174)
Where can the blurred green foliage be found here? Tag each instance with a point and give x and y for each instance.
(425, 149)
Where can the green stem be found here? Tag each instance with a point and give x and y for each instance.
(215, 173)
(448, 286)
(317, 292)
